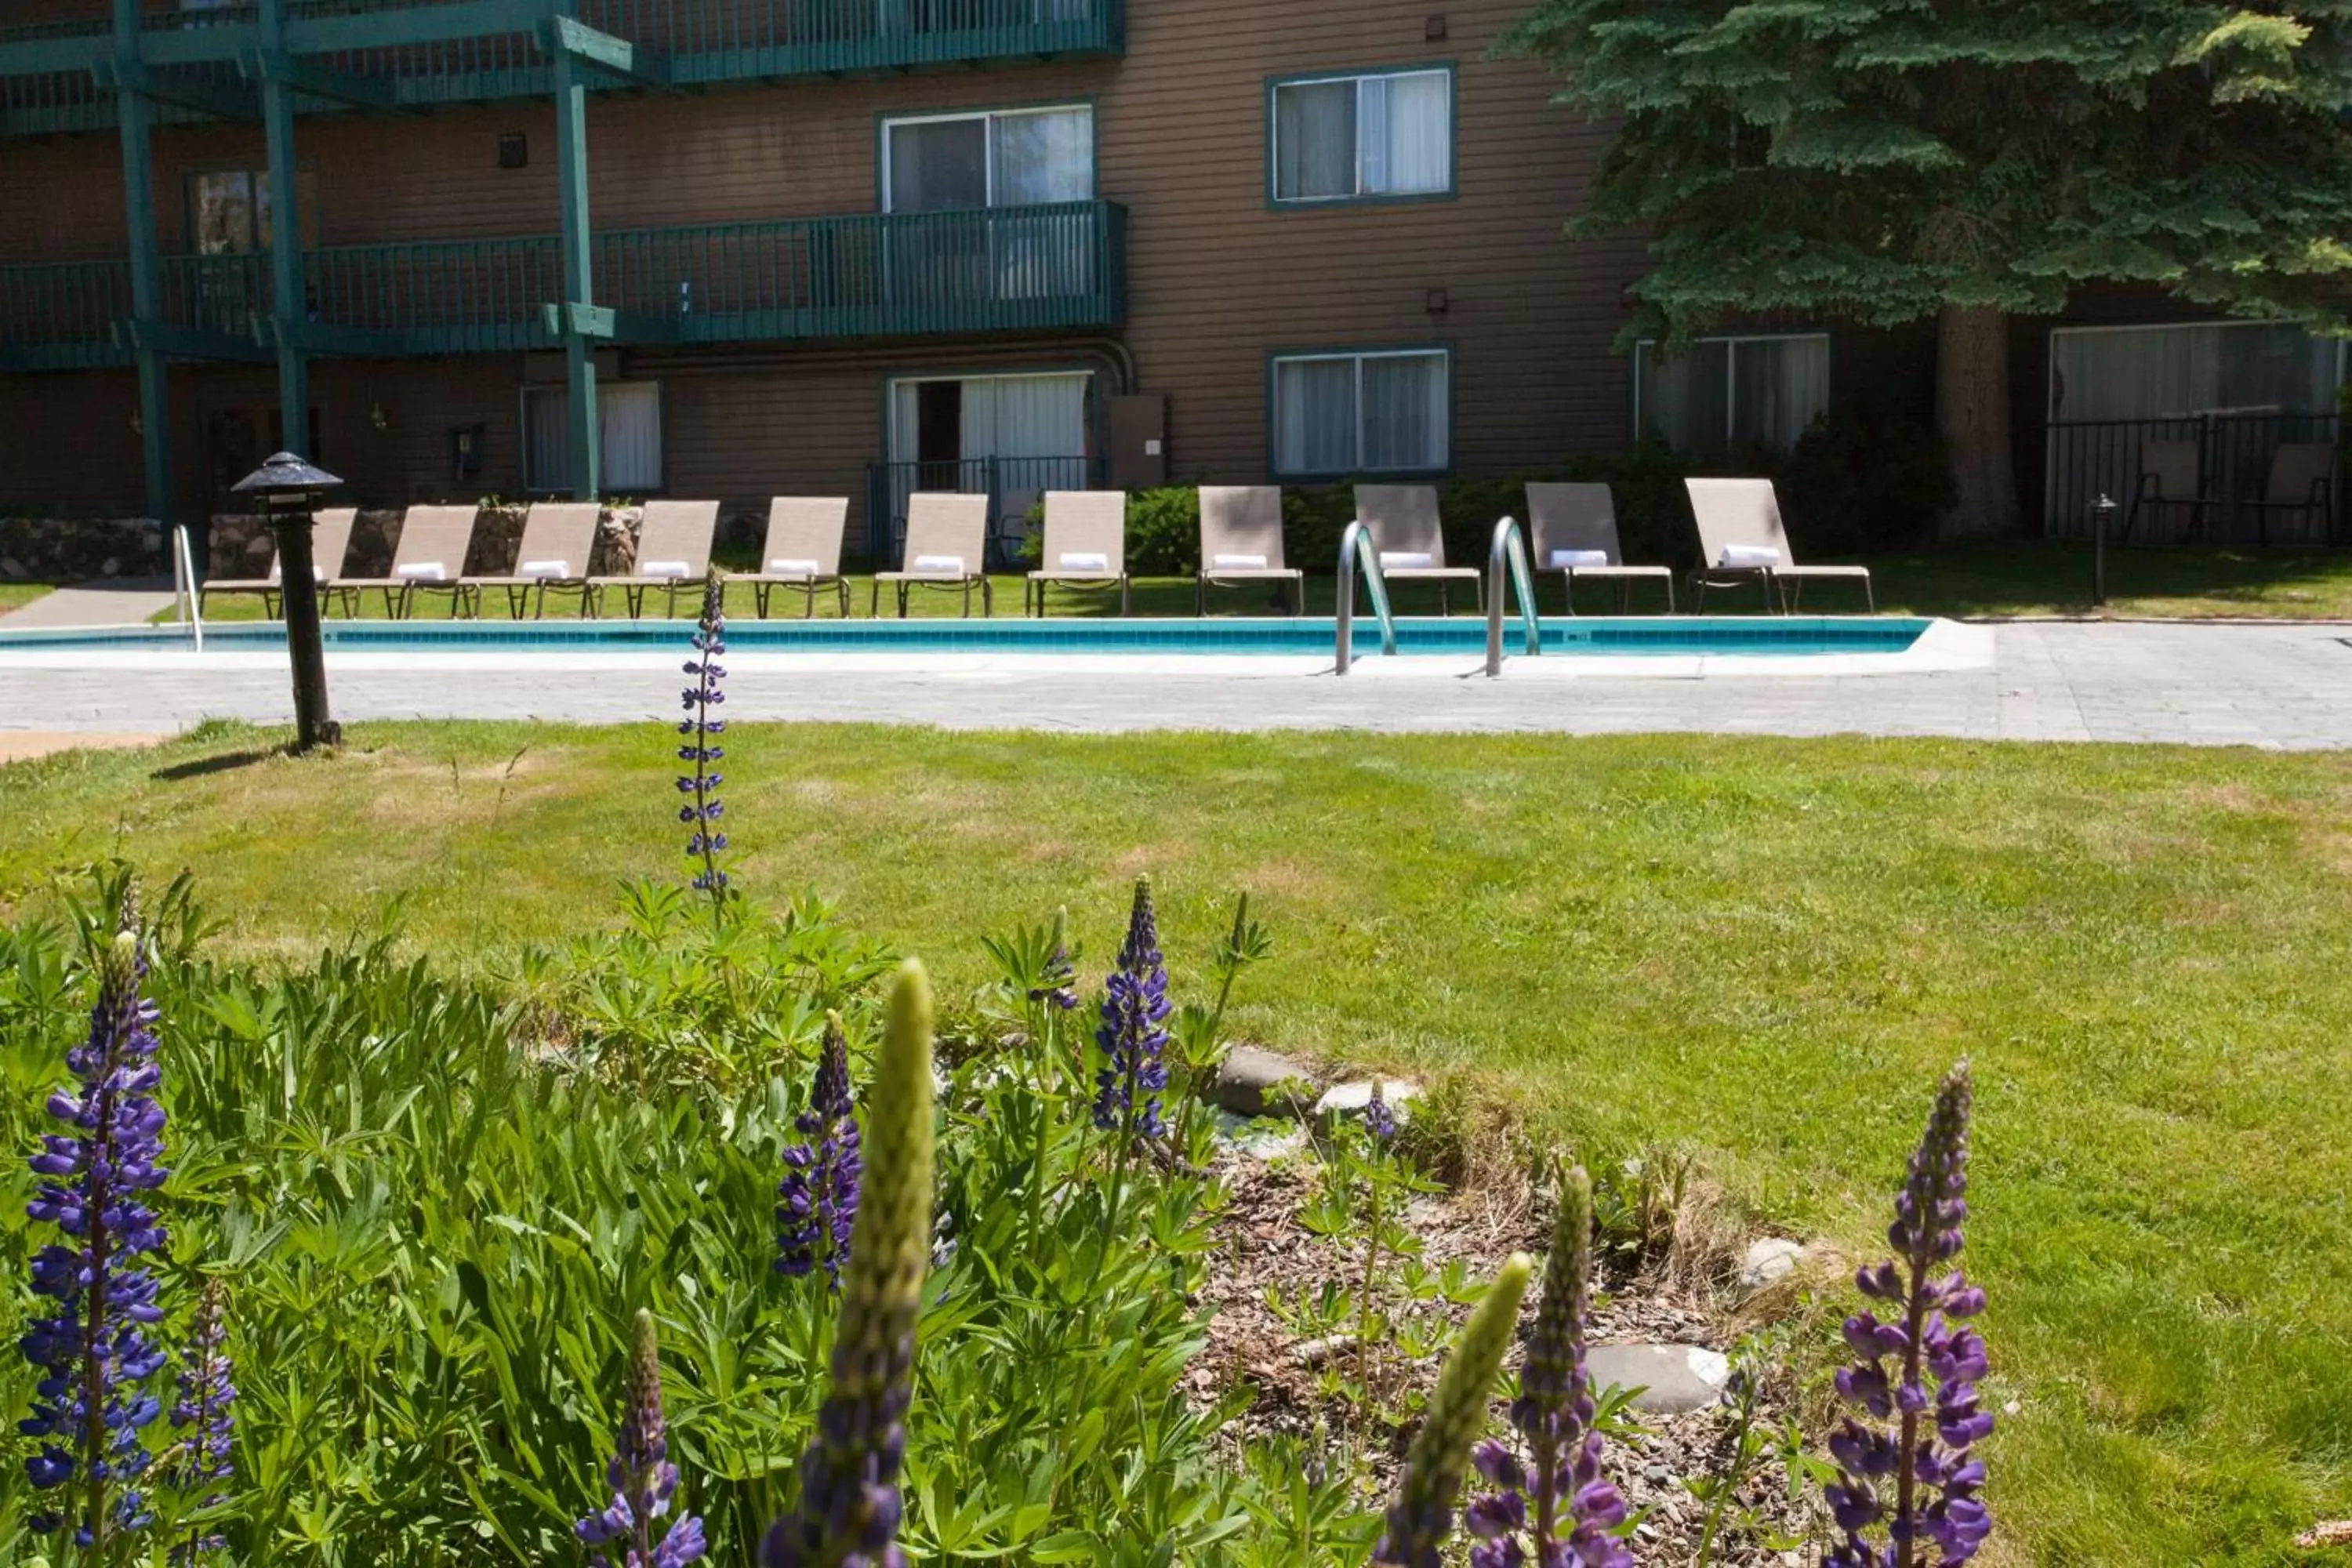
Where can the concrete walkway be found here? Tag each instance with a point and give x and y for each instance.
(2274, 687)
(107, 602)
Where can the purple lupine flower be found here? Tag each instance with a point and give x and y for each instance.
(1380, 1120)
(1132, 1034)
(702, 809)
(1421, 1519)
(201, 1412)
(1918, 1441)
(92, 1402)
(1555, 1498)
(643, 1481)
(820, 1186)
(1059, 983)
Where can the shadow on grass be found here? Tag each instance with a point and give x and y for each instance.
(226, 762)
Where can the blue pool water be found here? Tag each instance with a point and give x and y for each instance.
(1781, 636)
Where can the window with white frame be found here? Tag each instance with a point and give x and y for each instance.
(1385, 412)
(1348, 138)
(1000, 158)
(1732, 392)
(2187, 369)
(629, 435)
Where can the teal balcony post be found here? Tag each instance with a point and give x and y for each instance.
(576, 270)
(132, 113)
(286, 294)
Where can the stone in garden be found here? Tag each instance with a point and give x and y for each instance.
(1245, 1082)
(12, 568)
(1674, 1379)
(1342, 1100)
(1260, 1139)
(1773, 1257)
(111, 567)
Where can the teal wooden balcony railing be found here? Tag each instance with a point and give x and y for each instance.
(442, 51)
(1005, 270)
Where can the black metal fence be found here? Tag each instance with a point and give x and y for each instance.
(1011, 484)
(2234, 455)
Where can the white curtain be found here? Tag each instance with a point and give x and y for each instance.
(1315, 140)
(1407, 130)
(1680, 397)
(629, 419)
(1404, 412)
(1314, 416)
(1778, 387)
(546, 439)
(2156, 373)
(1044, 157)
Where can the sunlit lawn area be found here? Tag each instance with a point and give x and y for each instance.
(1762, 951)
(2012, 577)
(13, 595)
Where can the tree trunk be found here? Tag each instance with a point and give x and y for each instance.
(1972, 413)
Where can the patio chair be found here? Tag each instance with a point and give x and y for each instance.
(803, 551)
(1241, 541)
(430, 558)
(2170, 485)
(673, 549)
(331, 539)
(1741, 540)
(1573, 531)
(2302, 490)
(557, 538)
(1086, 546)
(946, 537)
(1410, 540)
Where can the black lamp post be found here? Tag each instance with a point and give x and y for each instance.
(288, 490)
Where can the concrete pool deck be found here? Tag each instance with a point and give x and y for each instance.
(2278, 687)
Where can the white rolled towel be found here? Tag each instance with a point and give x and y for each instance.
(1239, 563)
(1562, 559)
(663, 569)
(421, 572)
(1406, 559)
(1748, 555)
(940, 564)
(1085, 561)
(786, 566)
(545, 569)
(275, 569)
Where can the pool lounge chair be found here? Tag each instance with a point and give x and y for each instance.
(1410, 540)
(330, 539)
(803, 551)
(1740, 541)
(429, 558)
(1573, 531)
(557, 537)
(673, 549)
(947, 535)
(1241, 541)
(1085, 545)
(2169, 502)
(2300, 492)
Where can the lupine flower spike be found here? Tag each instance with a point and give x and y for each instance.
(850, 1506)
(1133, 1034)
(702, 809)
(1917, 1440)
(92, 1402)
(820, 1187)
(1422, 1517)
(201, 1414)
(1058, 985)
(1380, 1118)
(1550, 1493)
(642, 1480)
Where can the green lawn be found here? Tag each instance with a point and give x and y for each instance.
(13, 595)
(1765, 951)
(2013, 577)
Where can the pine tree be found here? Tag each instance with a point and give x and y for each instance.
(1886, 161)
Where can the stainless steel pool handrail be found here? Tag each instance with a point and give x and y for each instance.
(184, 590)
(1355, 548)
(1509, 554)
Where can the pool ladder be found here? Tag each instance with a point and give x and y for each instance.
(1355, 548)
(1506, 571)
(1508, 556)
(187, 589)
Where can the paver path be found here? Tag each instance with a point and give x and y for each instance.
(2280, 687)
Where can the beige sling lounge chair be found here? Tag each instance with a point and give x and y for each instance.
(1410, 542)
(1741, 540)
(1241, 541)
(1085, 545)
(330, 539)
(673, 549)
(803, 551)
(2302, 491)
(1570, 525)
(430, 557)
(2168, 500)
(557, 537)
(946, 536)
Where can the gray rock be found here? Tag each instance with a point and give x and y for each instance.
(111, 567)
(13, 569)
(1246, 1081)
(1260, 1139)
(1773, 1257)
(1674, 1379)
(1346, 1099)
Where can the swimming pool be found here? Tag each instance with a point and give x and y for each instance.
(1777, 636)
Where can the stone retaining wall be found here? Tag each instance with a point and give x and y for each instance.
(74, 549)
